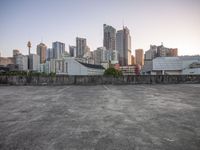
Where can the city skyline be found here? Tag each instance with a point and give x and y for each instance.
(175, 23)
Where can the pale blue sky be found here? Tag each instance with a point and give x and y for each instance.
(176, 23)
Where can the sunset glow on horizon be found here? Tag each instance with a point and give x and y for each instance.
(176, 23)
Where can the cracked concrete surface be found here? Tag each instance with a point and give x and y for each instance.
(103, 117)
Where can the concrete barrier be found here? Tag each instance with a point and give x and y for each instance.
(96, 80)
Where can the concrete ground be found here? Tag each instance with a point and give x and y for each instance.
(103, 117)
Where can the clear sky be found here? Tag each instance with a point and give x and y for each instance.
(176, 23)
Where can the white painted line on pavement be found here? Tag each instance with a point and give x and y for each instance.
(106, 87)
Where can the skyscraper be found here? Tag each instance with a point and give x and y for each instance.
(41, 51)
(109, 39)
(58, 49)
(139, 57)
(49, 54)
(123, 46)
(81, 47)
(132, 60)
(129, 57)
(34, 62)
(72, 51)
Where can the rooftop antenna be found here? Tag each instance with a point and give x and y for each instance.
(123, 22)
(41, 39)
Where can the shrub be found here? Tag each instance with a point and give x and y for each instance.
(113, 72)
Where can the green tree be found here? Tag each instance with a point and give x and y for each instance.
(113, 72)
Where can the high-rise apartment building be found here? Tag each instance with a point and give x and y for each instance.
(132, 60)
(129, 57)
(81, 47)
(151, 53)
(157, 51)
(22, 62)
(15, 54)
(139, 57)
(162, 51)
(34, 62)
(148, 57)
(49, 54)
(72, 51)
(166, 52)
(41, 51)
(123, 46)
(99, 55)
(58, 49)
(109, 37)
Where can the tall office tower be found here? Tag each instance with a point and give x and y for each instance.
(72, 51)
(34, 62)
(58, 49)
(49, 54)
(109, 37)
(132, 60)
(123, 46)
(81, 47)
(139, 57)
(129, 57)
(41, 51)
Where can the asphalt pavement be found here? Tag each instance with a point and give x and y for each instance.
(102, 117)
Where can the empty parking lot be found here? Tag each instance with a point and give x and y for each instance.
(103, 117)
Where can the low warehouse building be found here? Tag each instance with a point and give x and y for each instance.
(176, 65)
(70, 66)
